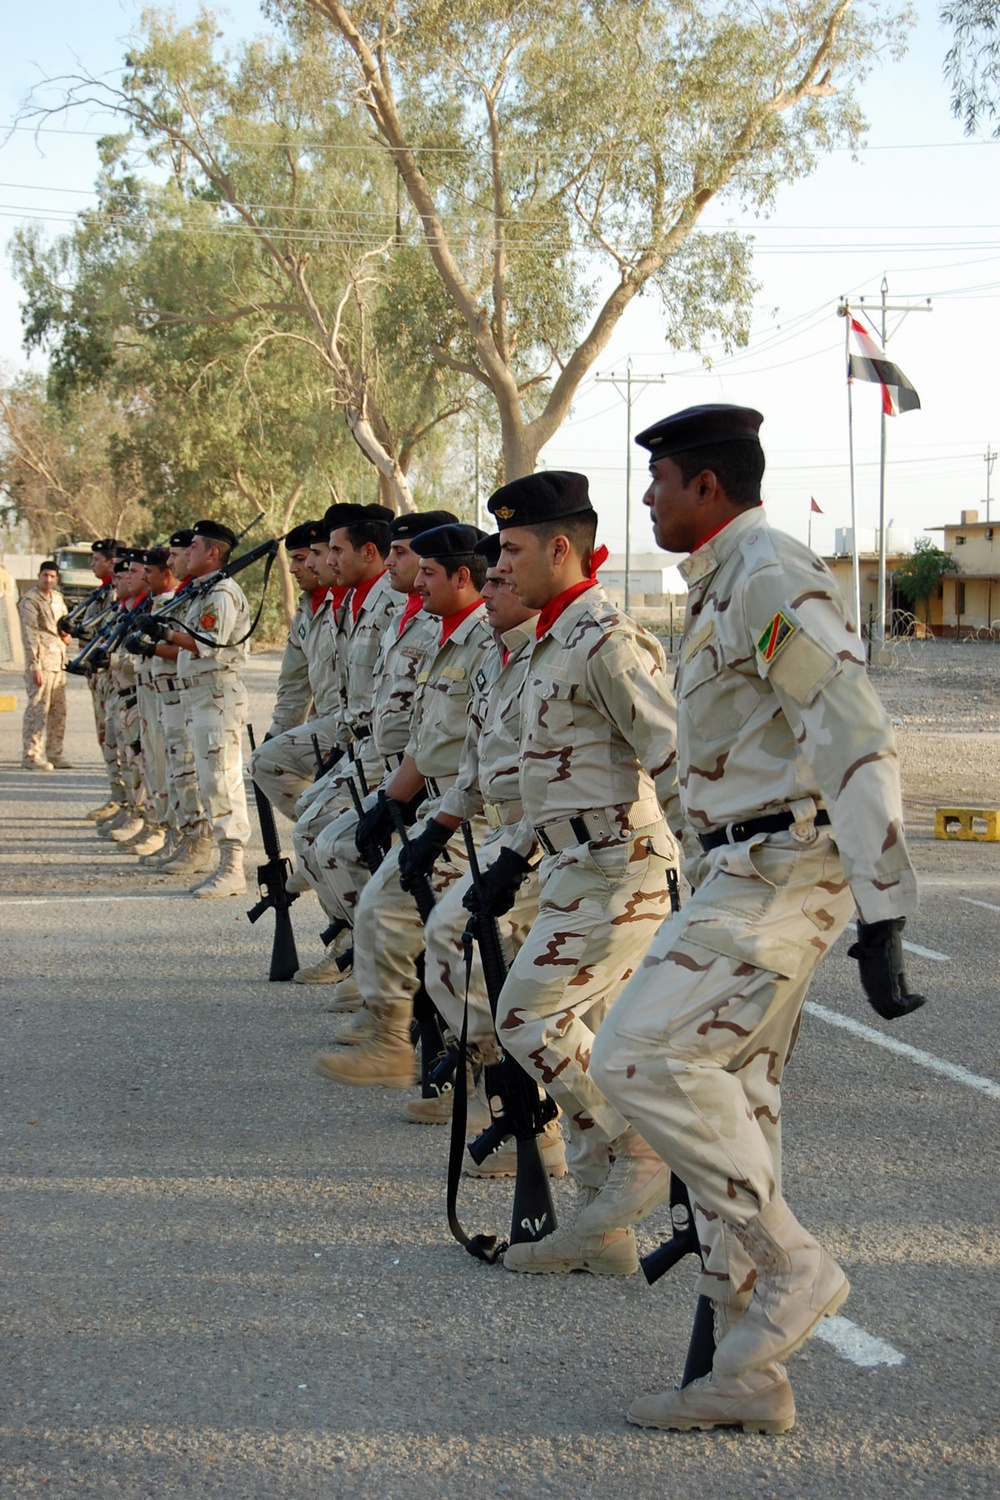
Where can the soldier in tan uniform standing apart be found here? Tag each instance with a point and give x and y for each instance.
(598, 768)
(40, 609)
(212, 650)
(792, 818)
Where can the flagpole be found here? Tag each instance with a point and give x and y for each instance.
(845, 312)
(809, 533)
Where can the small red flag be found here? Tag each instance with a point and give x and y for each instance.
(813, 506)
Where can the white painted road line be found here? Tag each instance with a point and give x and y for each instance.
(986, 905)
(105, 900)
(940, 958)
(903, 1049)
(853, 1343)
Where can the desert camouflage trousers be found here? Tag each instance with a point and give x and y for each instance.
(44, 726)
(215, 711)
(100, 685)
(599, 909)
(335, 868)
(182, 779)
(285, 767)
(121, 727)
(319, 806)
(444, 962)
(694, 1051)
(154, 755)
(389, 931)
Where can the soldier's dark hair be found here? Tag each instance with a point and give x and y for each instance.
(581, 531)
(475, 563)
(49, 567)
(737, 465)
(360, 532)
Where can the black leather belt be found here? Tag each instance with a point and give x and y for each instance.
(738, 833)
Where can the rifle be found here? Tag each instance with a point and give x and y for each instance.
(437, 1059)
(523, 1111)
(94, 655)
(68, 624)
(272, 882)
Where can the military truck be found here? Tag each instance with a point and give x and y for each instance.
(75, 577)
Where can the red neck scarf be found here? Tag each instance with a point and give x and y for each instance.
(317, 596)
(450, 623)
(414, 604)
(561, 602)
(361, 592)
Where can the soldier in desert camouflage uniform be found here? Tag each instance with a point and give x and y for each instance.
(324, 835)
(388, 930)
(597, 770)
(212, 644)
(792, 817)
(44, 727)
(102, 564)
(123, 707)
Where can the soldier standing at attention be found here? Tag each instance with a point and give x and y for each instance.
(102, 565)
(209, 664)
(40, 609)
(792, 817)
(598, 769)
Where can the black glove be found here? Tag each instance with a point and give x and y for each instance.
(375, 827)
(139, 646)
(498, 886)
(151, 626)
(417, 858)
(63, 624)
(97, 660)
(879, 952)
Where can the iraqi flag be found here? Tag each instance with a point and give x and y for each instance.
(898, 394)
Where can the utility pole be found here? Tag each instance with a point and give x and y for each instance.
(989, 458)
(629, 381)
(904, 308)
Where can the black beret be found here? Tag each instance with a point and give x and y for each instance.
(214, 531)
(108, 546)
(121, 565)
(551, 495)
(132, 554)
(155, 557)
(348, 514)
(489, 548)
(415, 522)
(453, 540)
(701, 427)
(305, 534)
(182, 538)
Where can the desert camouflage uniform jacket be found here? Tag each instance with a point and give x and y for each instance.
(445, 683)
(598, 721)
(776, 711)
(44, 649)
(294, 694)
(490, 769)
(359, 642)
(223, 615)
(400, 659)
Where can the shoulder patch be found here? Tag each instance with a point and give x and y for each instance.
(777, 635)
(208, 621)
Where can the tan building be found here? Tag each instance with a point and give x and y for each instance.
(969, 600)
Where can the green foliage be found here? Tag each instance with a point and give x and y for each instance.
(972, 63)
(918, 576)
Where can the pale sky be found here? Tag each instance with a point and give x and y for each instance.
(918, 207)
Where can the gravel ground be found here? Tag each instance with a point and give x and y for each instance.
(226, 1277)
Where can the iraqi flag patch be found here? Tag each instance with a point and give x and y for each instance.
(774, 637)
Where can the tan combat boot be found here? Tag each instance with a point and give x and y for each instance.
(439, 1109)
(100, 814)
(118, 820)
(228, 879)
(386, 1060)
(324, 972)
(129, 830)
(193, 856)
(637, 1183)
(611, 1254)
(757, 1401)
(345, 995)
(165, 850)
(797, 1285)
(357, 1029)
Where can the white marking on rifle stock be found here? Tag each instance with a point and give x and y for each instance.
(534, 1225)
(853, 1343)
(903, 1049)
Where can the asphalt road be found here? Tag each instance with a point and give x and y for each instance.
(225, 1276)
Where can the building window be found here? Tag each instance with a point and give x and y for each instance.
(960, 541)
(960, 598)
